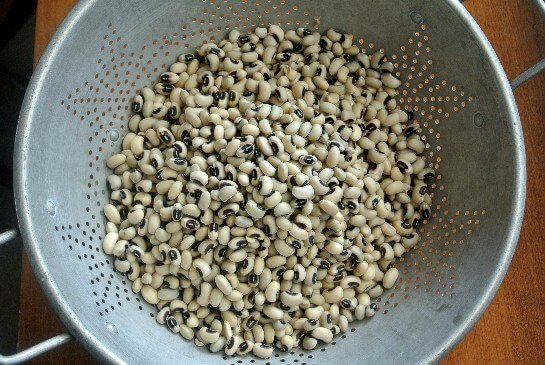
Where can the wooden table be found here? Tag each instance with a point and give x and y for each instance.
(512, 329)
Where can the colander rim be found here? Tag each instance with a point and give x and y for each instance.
(102, 351)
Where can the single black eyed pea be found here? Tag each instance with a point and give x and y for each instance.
(425, 211)
(186, 332)
(303, 192)
(262, 350)
(116, 160)
(202, 267)
(245, 347)
(207, 336)
(218, 345)
(390, 80)
(426, 173)
(291, 299)
(402, 228)
(108, 244)
(371, 309)
(232, 345)
(275, 261)
(273, 312)
(390, 278)
(309, 343)
(149, 294)
(121, 265)
(112, 214)
(223, 284)
(190, 223)
(163, 315)
(322, 334)
(251, 321)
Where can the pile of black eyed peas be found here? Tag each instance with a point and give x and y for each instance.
(266, 188)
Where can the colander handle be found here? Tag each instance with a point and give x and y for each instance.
(34, 351)
(8, 235)
(40, 348)
(528, 74)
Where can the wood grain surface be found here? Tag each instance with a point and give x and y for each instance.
(512, 330)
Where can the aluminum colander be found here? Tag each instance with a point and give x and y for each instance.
(75, 115)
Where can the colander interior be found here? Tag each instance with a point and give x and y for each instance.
(76, 114)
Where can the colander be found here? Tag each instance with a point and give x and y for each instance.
(75, 115)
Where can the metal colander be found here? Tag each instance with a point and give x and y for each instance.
(76, 112)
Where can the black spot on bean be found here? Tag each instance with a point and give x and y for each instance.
(429, 175)
(165, 137)
(167, 88)
(209, 248)
(171, 322)
(402, 166)
(213, 171)
(370, 127)
(295, 244)
(230, 343)
(254, 173)
(322, 43)
(426, 213)
(423, 190)
(309, 160)
(410, 130)
(346, 303)
(136, 107)
(173, 255)
(243, 39)
(243, 346)
(247, 148)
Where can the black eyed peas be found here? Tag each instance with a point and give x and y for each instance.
(265, 190)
